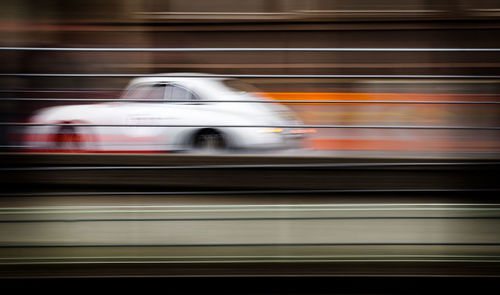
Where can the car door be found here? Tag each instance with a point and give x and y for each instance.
(178, 106)
(186, 108)
(143, 118)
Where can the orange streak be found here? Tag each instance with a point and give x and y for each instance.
(379, 96)
(400, 145)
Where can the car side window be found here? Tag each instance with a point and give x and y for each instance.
(168, 92)
(176, 93)
(157, 92)
(146, 92)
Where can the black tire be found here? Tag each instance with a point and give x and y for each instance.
(209, 140)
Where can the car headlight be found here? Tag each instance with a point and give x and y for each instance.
(271, 130)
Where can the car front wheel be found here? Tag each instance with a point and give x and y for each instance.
(209, 140)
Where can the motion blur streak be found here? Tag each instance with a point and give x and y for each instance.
(394, 114)
(224, 145)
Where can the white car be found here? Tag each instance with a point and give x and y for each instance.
(193, 102)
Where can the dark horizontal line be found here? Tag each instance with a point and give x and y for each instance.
(59, 90)
(249, 101)
(247, 49)
(242, 76)
(251, 166)
(244, 245)
(243, 192)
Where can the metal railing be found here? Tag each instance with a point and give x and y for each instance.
(257, 76)
(290, 101)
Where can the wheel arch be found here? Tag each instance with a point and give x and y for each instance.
(87, 133)
(227, 136)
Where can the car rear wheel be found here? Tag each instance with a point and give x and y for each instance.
(209, 140)
(67, 139)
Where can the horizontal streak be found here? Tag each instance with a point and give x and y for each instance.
(407, 145)
(249, 49)
(243, 192)
(255, 261)
(308, 65)
(242, 210)
(253, 256)
(62, 89)
(252, 101)
(261, 205)
(258, 126)
(245, 245)
(61, 75)
(236, 218)
(94, 89)
(253, 166)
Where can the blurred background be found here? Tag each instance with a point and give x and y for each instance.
(367, 206)
(277, 24)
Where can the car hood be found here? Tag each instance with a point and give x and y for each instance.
(272, 112)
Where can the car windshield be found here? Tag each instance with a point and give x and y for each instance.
(255, 93)
(239, 86)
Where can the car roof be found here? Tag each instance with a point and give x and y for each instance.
(176, 77)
